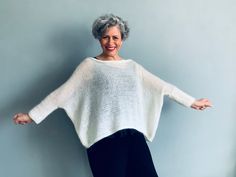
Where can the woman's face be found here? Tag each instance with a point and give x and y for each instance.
(111, 41)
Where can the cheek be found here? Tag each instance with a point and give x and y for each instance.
(120, 44)
(102, 43)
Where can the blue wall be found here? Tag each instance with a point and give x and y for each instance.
(188, 43)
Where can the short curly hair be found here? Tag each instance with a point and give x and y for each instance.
(103, 22)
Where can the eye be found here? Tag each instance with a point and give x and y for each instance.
(115, 38)
(104, 37)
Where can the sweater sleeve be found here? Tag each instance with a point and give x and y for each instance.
(157, 85)
(58, 97)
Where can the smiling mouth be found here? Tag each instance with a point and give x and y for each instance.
(110, 48)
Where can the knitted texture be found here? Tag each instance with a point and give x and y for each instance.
(102, 97)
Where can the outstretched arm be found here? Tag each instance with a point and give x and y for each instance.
(153, 82)
(56, 99)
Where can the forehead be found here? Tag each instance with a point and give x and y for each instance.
(113, 30)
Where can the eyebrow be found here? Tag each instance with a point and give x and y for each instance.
(112, 35)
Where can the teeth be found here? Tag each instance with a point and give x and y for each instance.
(110, 48)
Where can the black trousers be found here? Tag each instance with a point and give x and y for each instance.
(123, 154)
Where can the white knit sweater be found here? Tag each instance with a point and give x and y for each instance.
(102, 97)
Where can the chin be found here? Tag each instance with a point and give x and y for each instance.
(110, 54)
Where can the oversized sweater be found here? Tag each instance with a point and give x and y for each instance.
(102, 97)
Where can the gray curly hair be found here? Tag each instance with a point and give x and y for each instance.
(103, 22)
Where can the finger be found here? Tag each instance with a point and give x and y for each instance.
(193, 106)
(208, 104)
(26, 122)
(22, 123)
(16, 116)
(197, 107)
(18, 121)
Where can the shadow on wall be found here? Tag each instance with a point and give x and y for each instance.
(54, 141)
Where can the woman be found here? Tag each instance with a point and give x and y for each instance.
(115, 105)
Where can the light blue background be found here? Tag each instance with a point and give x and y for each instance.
(189, 43)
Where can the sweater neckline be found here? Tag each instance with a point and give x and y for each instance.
(110, 61)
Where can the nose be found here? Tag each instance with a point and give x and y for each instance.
(110, 41)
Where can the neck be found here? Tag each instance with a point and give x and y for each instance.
(107, 57)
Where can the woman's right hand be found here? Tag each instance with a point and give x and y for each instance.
(22, 118)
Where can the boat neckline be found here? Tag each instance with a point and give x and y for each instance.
(108, 61)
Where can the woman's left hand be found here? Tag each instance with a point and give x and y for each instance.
(201, 104)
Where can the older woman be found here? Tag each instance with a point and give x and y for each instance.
(114, 104)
